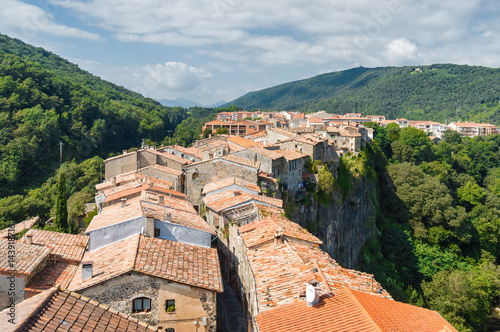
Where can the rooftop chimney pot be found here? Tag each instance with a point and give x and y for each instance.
(124, 151)
(29, 239)
(124, 202)
(87, 270)
(161, 200)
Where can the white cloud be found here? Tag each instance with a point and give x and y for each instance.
(174, 76)
(401, 49)
(26, 21)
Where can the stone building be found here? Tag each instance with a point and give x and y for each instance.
(163, 283)
(204, 172)
(192, 153)
(316, 147)
(133, 161)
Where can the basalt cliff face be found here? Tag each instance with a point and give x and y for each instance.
(344, 224)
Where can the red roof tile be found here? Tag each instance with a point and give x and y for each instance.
(67, 248)
(171, 260)
(50, 276)
(19, 227)
(27, 258)
(213, 186)
(240, 160)
(348, 310)
(59, 310)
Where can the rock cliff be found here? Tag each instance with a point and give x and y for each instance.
(344, 224)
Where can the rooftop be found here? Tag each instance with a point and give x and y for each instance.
(240, 160)
(193, 151)
(171, 260)
(27, 259)
(290, 155)
(213, 186)
(55, 309)
(67, 248)
(243, 142)
(272, 154)
(19, 227)
(230, 198)
(284, 258)
(50, 276)
(348, 310)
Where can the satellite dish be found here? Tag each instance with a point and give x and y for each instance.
(312, 296)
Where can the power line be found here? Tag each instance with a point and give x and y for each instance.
(30, 168)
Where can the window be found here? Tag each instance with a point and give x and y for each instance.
(141, 304)
(170, 306)
(196, 176)
(157, 232)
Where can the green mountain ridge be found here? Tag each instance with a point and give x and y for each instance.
(45, 99)
(440, 92)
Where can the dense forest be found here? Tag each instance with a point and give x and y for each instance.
(45, 99)
(438, 221)
(441, 92)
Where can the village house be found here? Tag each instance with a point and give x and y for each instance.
(316, 147)
(192, 153)
(43, 259)
(236, 128)
(133, 161)
(473, 129)
(345, 140)
(212, 147)
(204, 172)
(238, 143)
(56, 309)
(164, 283)
(237, 116)
(376, 118)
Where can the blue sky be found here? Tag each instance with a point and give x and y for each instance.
(215, 50)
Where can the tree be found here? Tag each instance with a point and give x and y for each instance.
(61, 221)
(471, 194)
(393, 131)
(222, 131)
(325, 180)
(207, 132)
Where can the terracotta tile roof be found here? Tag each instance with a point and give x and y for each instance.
(258, 134)
(50, 276)
(315, 120)
(266, 153)
(217, 122)
(264, 230)
(118, 179)
(67, 248)
(19, 227)
(396, 316)
(290, 155)
(164, 169)
(284, 266)
(57, 310)
(108, 262)
(348, 310)
(283, 132)
(243, 142)
(194, 151)
(212, 186)
(178, 215)
(240, 160)
(184, 263)
(171, 260)
(173, 157)
(338, 313)
(114, 214)
(230, 198)
(28, 258)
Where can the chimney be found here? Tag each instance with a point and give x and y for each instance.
(124, 202)
(278, 237)
(161, 200)
(150, 227)
(168, 216)
(124, 151)
(371, 284)
(87, 270)
(29, 239)
(114, 181)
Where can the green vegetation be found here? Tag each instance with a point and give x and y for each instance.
(438, 224)
(45, 99)
(441, 92)
(61, 220)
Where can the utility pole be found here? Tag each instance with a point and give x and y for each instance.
(60, 152)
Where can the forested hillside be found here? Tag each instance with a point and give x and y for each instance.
(45, 99)
(441, 92)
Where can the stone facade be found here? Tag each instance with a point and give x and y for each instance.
(191, 303)
(200, 174)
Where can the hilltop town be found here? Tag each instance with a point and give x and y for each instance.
(175, 223)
